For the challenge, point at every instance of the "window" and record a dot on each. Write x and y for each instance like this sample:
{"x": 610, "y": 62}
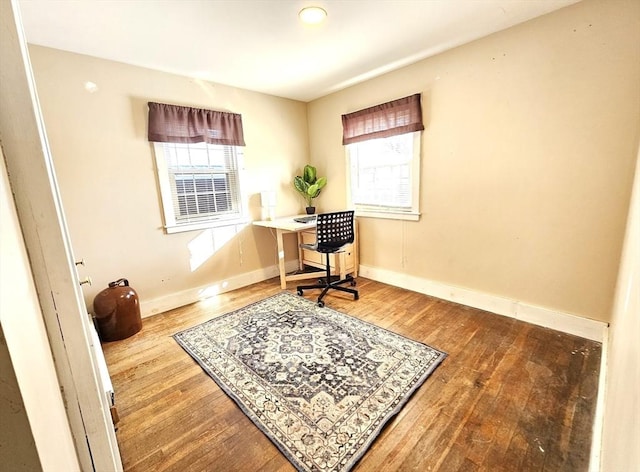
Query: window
{"x": 199, "y": 161}
{"x": 383, "y": 158}
{"x": 384, "y": 176}
{"x": 199, "y": 184}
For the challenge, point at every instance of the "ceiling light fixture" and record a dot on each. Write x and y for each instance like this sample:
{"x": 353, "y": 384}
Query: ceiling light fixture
{"x": 312, "y": 15}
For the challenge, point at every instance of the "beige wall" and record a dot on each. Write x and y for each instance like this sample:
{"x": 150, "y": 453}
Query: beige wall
{"x": 528, "y": 157}
{"x": 105, "y": 169}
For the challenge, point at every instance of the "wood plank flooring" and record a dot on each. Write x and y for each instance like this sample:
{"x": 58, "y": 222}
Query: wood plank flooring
{"x": 510, "y": 396}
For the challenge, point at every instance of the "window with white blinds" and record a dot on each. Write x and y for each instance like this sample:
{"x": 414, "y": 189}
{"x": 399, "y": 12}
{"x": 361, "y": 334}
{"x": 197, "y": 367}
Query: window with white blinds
{"x": 384, "y": 176}
{"x": 200, "y": 184}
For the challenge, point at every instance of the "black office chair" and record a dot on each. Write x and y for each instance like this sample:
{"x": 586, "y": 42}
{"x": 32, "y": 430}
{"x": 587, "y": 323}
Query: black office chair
{"x": 333, "y": 232}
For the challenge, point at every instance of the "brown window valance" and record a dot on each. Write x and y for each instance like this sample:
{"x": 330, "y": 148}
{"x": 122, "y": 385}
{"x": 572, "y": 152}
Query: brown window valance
{"x": 178, "y": 124}
{"x": 400, "y": 116}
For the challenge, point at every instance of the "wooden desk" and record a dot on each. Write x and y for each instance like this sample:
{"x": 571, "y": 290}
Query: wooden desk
{"x": 342, "y": 263}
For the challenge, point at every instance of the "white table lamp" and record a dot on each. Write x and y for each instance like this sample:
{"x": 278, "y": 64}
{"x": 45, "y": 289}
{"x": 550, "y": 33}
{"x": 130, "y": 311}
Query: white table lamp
{"x": 268, "y": 203}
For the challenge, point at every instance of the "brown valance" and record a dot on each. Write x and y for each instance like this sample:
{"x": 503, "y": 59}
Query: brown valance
{"x": 400, "y": 116}
{"x": 177, "y": 124}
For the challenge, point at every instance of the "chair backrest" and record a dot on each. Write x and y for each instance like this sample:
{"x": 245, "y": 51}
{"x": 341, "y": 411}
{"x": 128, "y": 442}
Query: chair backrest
{"x": 334, "y": 230}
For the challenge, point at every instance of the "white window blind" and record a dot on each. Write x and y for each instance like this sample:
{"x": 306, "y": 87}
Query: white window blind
{"x": 381, "y": 172}
{"x": 200, "y": 183}
{"x": 384, "y": 176}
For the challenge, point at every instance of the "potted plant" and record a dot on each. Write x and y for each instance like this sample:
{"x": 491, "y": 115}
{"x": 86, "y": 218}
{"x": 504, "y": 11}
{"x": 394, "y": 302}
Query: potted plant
{"x": 309, "y": 186}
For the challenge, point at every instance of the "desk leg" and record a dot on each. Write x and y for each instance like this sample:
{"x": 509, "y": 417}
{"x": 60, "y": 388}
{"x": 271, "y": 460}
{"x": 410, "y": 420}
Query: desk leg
{"x": 341, "y": 261}
{"x": 283, "y": 272}
{"x": 300, "y": 255}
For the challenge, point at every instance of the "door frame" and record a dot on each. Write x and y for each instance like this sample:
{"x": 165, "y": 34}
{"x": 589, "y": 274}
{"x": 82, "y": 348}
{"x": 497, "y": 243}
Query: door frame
{"x": 41, "y": 216}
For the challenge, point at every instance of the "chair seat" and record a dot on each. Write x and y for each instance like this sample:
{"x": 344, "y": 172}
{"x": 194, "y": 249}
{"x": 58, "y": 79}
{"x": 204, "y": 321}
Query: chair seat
{"x": 324, "y": 250}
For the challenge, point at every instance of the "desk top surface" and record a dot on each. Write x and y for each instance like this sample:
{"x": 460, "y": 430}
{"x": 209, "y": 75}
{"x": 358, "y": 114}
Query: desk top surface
{"x": 286, "y": 223}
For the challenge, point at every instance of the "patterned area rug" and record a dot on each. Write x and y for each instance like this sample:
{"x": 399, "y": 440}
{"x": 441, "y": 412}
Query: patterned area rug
{"x": 320, "y": 384}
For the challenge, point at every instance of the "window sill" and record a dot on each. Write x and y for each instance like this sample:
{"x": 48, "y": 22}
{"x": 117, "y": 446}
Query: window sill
{"x": 388, "y": 215}
{"x": 181, "y": 228}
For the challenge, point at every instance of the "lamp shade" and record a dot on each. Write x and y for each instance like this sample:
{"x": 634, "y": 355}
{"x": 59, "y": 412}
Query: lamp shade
{"x": 268, "y": 198}
{"x": 268, "y": 203}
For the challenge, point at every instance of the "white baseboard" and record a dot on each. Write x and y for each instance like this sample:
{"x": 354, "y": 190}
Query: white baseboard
{"x": 186, "y": 297}
{"x": 595, "y": 457}
{"x": 565, "y": 322}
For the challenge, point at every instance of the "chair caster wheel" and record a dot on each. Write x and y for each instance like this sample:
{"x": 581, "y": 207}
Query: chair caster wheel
{"x": 353, "y": 283}
{"x": 299, "y": 292}
{"x": 356, "y": 297}
{"x": 321, "y": 304}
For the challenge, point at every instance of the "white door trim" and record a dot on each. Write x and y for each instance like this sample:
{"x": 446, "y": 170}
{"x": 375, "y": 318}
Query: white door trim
{"x": 39, "y": 208}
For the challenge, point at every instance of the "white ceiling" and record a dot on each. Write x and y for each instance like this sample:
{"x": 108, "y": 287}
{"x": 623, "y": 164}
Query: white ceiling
{"x": 261, "y": 45}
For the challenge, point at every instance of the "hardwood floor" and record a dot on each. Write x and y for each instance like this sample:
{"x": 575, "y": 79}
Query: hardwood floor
{"x": 510, "y": 396}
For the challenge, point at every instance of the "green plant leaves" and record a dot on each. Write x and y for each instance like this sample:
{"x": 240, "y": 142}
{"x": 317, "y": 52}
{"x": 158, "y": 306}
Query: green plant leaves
{"x": 309, "y": 174}
{"x": 308, "y": 184}
{"x": 321, "y": 182}
{"x": 300, "y": 185}
{"x": 313, "y": 191}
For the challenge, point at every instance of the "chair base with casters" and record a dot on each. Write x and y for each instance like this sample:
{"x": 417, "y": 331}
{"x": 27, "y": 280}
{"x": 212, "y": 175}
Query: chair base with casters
{"x": 333, "y": 232}
{"x": 331, "y": 285}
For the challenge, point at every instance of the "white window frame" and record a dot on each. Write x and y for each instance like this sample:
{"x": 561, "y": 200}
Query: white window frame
{"x": 378, "y": 211}
{"x": 172, "y": 223}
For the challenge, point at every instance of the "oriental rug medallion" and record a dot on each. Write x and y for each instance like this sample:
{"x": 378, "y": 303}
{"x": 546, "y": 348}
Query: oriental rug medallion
{"x": 320, "y": 384}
